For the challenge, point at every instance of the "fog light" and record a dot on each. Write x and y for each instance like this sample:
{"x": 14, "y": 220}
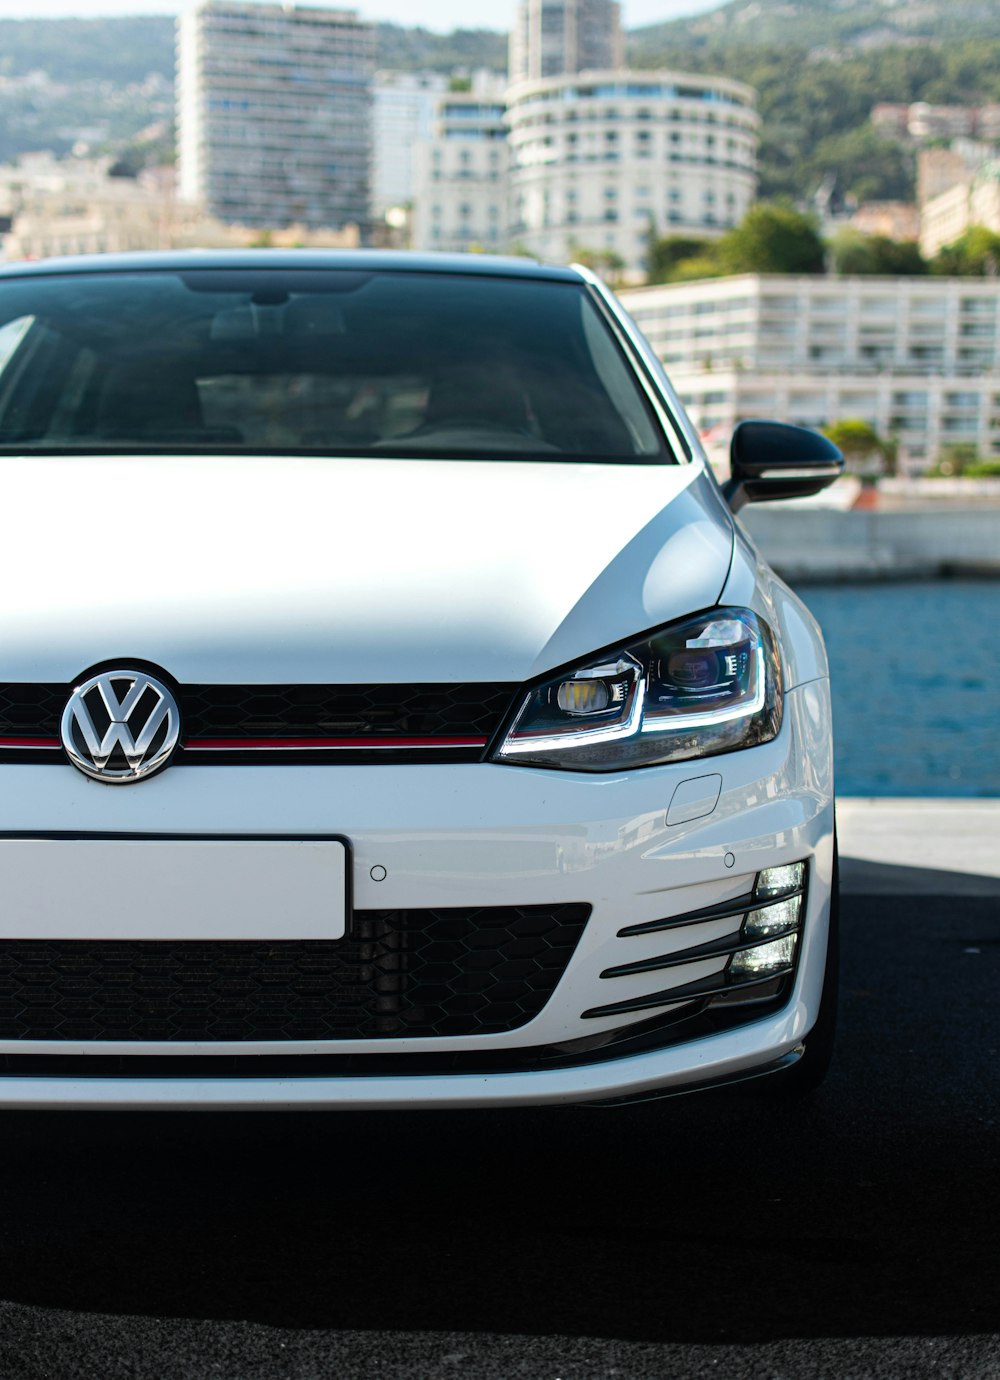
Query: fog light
{"x": 765, "y": 958}
{"x": 782, "y": 915}
{"x": 775, "y": 881}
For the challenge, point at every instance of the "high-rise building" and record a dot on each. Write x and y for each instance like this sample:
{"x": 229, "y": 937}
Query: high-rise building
{"x": 274, "y": 113}
{"x": 604, "y": 162}
{"x": 553, "y": 37}
{"x": 405, "y": 104}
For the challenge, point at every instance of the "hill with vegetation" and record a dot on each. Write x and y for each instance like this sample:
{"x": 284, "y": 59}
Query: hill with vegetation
{"x": 818, "y": 65}
{"x": 819, "y": 24}
{"x": 108, "y": 83}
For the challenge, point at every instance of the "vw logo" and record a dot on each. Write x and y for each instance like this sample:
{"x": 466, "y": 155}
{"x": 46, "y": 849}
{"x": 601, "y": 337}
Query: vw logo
{"x": 120, "y": 726}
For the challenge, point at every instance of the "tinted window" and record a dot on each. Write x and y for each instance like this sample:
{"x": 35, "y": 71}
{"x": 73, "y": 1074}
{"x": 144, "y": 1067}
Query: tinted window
{"x": 310, "y": 360}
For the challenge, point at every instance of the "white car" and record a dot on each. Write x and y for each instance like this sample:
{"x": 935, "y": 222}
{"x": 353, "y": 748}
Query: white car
{"x": 392, "y": 713}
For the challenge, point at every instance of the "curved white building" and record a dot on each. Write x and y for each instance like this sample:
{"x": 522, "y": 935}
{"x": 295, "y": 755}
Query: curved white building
{"x": 600, "y": 161}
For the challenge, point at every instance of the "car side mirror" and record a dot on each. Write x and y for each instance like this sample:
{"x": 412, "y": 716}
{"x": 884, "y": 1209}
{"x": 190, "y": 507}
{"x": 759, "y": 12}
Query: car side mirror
{"x": 769, "y": 460}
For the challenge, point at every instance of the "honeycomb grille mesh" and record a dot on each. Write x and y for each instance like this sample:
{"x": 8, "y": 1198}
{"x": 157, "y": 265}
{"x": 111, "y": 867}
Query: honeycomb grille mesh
{"x": 275, "y": 711}
{"x": 31, "y": 711}
{"x": 401, "y": 973}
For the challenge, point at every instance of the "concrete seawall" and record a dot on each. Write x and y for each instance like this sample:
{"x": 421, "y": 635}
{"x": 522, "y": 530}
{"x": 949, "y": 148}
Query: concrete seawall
{"x": 804, "y": 543}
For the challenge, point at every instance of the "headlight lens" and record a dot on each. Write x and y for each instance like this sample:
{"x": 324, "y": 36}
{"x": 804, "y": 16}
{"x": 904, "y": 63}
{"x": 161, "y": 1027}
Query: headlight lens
{"x": 707, "y": 685}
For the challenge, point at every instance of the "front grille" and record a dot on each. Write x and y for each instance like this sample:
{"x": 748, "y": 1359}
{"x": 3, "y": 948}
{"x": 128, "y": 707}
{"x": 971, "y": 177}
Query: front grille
{"x": 343, "y": 711}
{"x": 400, "y": 973}
{"x": 417, "y": 722}
{"x": 31, "y": 711}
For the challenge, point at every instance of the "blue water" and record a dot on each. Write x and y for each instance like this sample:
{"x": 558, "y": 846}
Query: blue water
{"x": 915, "y": 669}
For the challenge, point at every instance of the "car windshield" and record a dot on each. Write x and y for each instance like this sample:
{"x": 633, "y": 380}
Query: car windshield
{"x": 327, "y": 361}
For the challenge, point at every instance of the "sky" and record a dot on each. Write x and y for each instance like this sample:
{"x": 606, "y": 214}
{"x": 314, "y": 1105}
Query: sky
{"x": 432, "y": 14}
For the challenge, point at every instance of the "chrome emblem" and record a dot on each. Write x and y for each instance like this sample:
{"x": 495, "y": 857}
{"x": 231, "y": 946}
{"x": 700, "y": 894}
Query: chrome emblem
{"x": 120, "y": 726}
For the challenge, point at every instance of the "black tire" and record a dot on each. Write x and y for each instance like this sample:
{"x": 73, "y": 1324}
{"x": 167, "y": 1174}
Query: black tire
{"x": 805, "y": 1076}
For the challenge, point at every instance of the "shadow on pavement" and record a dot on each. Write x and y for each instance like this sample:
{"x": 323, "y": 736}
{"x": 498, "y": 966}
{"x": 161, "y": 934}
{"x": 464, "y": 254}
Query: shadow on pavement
{"x": 870, "y": 1211}
{"x": 862, "y": 877}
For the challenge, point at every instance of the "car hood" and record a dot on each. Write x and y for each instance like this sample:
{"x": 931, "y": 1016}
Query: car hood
{"x": 282, "y": 570}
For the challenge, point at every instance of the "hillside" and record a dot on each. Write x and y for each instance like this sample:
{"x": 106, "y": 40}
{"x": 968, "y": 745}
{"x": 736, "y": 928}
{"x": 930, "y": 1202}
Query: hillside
{"x": 102, "y": 82}
{"x": 820, "y": 24}
{"x": 819, "y": 66}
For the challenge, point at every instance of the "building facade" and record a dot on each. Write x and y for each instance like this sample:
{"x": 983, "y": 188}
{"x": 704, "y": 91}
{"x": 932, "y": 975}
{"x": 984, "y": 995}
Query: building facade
{"x": 54, "y": 207}
{"x": 974, "y": 201}
{"x": 275, "y": 113}
{"x": 893, "y": 220}
{"x": 917, "y": 358}
{"x": 460, "y": 174}
{"x": 553, "y": 37}
{"x": 921, "y": 122}
{"x": 404, "y": 109}
{"x": 606, "y": 161}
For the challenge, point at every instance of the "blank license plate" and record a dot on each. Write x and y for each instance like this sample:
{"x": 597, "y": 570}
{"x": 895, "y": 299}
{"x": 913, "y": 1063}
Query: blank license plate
{"x": 97, "y": 888}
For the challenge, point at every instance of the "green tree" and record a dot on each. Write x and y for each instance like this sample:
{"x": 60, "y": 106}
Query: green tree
{"x": 666, "y": 254}
{"x": 868, "y": 167}
{"x": 772, "y": 238}
{"x": 855, "y": 253}
{"x": 858, "y": 442}
{"x": 957, "y": 458}
{"x": 976, "y": 254}
{"x": 898, "y": 256}
{"x": 700, "y": 266}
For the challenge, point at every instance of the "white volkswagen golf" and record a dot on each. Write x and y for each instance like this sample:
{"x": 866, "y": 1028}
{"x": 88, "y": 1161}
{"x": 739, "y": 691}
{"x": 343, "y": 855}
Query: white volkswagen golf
{"x": 392, "y": 713}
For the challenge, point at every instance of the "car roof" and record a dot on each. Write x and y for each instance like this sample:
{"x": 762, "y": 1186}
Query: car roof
{"x": 391, "y": 261}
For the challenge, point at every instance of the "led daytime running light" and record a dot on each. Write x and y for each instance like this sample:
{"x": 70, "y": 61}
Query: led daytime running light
{"x": 694, "y": 688}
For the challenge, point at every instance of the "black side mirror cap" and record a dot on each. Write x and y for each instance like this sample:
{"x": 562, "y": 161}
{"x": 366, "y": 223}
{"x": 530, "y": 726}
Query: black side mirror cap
{"x": 770, "y": 460}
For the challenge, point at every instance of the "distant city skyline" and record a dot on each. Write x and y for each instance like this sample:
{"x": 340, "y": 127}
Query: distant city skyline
{"x": 441, "y": 15}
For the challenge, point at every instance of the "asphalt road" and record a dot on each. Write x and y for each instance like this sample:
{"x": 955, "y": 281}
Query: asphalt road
{"x": 704, "y": 1236}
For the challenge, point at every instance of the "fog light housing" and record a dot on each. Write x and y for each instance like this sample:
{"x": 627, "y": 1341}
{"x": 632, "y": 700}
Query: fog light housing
{"x": 769, "y": 934}
{"x": 776, "y": 919}
{"x": 764, "y": 960}
{"x": 777, "y": 881}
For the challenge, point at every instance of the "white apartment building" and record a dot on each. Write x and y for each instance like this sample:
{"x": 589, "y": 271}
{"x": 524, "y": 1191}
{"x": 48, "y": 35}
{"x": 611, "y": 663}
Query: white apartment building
{"x": 460, "y": 174}
{"x": 918, "y": 358}
{"x": 921, "y": 121}
{"x": 403, "y": 116}
{"x": 552, "y": 37}
{"x": 274, "y": 113}
{"x": 603, "y": 161}
{"x": 973, "y": 201}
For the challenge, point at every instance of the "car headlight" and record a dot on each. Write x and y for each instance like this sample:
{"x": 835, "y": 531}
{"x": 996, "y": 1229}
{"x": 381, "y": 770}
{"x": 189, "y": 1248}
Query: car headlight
{"x": 706, "y": 685}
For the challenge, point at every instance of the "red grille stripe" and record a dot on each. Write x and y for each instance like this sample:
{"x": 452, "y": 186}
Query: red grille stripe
{"x": 297, "y": 744}
{"x": 273, "y": 744}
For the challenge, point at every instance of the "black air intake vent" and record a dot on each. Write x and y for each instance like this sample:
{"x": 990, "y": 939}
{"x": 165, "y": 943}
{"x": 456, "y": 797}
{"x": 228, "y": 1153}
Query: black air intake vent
{"x": 418, "y": 972}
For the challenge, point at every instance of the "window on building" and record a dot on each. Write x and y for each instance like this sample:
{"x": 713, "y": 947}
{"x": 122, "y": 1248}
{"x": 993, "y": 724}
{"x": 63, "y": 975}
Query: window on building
{"x": 976, "y": 306}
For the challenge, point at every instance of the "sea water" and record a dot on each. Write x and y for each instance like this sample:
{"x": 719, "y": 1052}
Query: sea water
{"x": 915, "y": 670}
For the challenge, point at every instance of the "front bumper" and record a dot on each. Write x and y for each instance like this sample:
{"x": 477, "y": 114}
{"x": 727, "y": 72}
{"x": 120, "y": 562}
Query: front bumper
{"x": 479, "y": 836}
